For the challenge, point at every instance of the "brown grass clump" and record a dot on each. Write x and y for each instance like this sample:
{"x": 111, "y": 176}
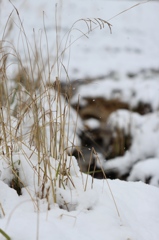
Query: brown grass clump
{"x": 33, "y": 114}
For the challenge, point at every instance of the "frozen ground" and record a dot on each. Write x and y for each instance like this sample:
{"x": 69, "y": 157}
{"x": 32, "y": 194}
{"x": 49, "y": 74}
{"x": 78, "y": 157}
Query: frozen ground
{"x": 132, "y": 47}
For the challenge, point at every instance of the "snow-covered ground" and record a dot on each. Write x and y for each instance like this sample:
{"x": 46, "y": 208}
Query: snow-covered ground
{"x": 92, "y": 213}
{"x": 87, "y": 208}
{"x": 145, "y": 135}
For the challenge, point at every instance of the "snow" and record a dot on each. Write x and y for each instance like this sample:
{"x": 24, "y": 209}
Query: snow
{"x": 93, "y": 214}
{"x": 145, "y": 136}
{"x": 86, "y": 208}
{"x": 146, "y": 170}
{"x": 92, "y": 123}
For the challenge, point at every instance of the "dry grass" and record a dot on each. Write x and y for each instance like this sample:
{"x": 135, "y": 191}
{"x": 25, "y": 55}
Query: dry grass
{"x": 25, "y": 121}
